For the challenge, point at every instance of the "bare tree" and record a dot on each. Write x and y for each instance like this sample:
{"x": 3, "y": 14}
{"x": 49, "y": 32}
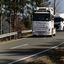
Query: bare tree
{"x": 58, "y": 6}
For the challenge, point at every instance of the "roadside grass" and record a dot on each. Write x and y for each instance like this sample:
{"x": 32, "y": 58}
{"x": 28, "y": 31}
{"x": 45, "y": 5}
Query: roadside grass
{"x": 41, "y": 60}
{"x": 55, "y": 56}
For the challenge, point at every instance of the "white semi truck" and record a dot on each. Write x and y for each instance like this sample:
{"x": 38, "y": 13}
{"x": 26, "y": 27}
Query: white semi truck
{"x": 59, "y": 21}
{"x": 43, "y": 21}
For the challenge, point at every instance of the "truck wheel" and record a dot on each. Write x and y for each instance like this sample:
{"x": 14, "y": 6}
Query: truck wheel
{"x": 54, "y": 35}
{"x": 34, "y": 35}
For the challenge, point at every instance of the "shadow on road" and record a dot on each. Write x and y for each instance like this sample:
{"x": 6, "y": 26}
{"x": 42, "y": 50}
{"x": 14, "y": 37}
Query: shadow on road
{"x": 24, "y": 52}
{"x": 5, "y": 61}
{"x": 30, "y": 50}
{"x": 38, "y": 37}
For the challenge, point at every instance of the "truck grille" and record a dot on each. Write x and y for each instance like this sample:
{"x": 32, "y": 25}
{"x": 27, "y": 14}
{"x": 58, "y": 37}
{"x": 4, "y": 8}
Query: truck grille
{"x": 41, "y": 32}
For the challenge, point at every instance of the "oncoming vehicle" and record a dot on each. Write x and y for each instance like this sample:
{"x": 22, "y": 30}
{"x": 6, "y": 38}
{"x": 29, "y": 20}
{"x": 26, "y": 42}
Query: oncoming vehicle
{"x": 43, "y": 21}
{"x": 59, "y": 21}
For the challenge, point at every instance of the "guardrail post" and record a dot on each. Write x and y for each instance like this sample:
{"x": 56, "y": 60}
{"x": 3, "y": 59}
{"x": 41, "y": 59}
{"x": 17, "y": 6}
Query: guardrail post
{"x": 27, "y": 33}
{"x": 10, "y": 37}
{"x": 6, "y": 38}
{"x": 1, "y": 39}
{"x": 22, "y": 34}
{"x": 15, "y": 36}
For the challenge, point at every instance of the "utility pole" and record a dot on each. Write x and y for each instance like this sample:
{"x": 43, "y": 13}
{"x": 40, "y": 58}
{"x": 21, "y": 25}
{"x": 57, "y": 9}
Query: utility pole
{"x": 54, "y": 7}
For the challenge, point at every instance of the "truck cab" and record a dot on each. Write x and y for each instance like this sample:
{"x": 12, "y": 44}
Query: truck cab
{"x": 43, "y": 21}
{"x": 59, "y": 21}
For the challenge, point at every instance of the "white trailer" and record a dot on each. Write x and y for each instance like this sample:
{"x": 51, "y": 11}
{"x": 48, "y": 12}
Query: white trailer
{"x": 43, "y": 21}
{"x": 59, "y": 21}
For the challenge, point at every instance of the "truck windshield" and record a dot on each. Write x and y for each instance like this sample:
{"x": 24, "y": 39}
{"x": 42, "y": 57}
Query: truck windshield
{"x": 57, "y": 19}
{"x": 41, "y": 17}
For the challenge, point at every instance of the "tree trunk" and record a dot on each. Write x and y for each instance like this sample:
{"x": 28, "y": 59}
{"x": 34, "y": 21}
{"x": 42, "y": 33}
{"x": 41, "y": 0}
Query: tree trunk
{"x": 54, "y": 6}
{"x": 10, "y": 25}
{"x": 14, "y": 22}
{"x": 14, "y": 18}
{"x": 1, "y": 21}
{"x": 10, "y": 19}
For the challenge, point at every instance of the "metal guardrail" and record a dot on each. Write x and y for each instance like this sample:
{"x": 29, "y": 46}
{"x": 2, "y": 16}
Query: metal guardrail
{"x": 14, "y": 33}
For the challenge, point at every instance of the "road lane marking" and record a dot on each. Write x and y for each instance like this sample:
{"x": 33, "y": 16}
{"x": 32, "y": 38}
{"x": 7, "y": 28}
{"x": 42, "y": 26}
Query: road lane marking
{"x": 35, "y": 54}
{"x": 44, "y": 38}
{"x": 19, "y": 46}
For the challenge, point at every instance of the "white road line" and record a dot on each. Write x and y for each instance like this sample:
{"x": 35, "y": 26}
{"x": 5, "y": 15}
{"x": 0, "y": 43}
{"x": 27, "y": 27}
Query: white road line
{"x": 35, "y": 54}
{"x": 19, "y": 46}
{"x": 44, "y": 38}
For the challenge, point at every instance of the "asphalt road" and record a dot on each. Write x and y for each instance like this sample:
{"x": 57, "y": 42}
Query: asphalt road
{"x": 21, "y": 49}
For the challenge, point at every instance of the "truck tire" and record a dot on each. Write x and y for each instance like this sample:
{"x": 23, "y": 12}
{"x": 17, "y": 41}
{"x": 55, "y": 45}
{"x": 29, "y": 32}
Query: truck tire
{"x": 54, "y": 35}
{"x": 34, "y": 35}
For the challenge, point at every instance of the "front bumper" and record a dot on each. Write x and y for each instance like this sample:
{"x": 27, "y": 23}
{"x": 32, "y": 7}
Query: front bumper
{"x": 41, "y": 33}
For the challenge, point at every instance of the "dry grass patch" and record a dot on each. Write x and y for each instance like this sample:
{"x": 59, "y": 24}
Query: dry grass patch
{"x": 51, "y": 57}
{"x": 41, "y": 60}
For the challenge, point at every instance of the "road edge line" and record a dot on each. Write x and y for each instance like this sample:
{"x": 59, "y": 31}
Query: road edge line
{"x": 35, "y": 54}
